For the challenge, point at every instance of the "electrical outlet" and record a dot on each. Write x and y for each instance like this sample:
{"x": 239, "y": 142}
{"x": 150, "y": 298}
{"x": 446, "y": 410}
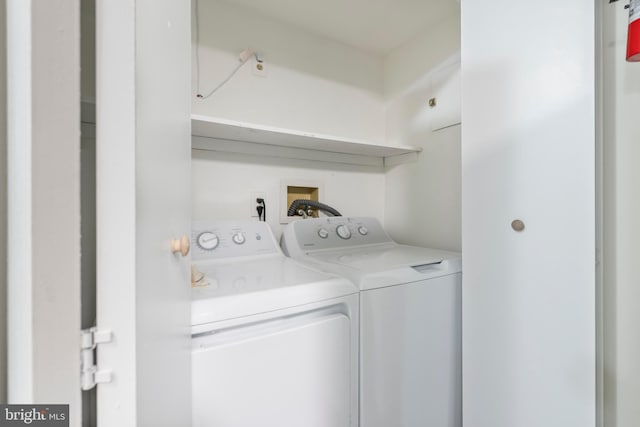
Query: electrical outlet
{"x": 259, "y": 67}
{"x": 253, "y": 204}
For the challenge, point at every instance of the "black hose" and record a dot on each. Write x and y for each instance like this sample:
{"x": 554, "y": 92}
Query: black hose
{"x": 296, "y": 204}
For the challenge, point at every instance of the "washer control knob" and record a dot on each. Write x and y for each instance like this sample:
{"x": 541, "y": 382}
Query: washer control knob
{"x": 207, "y": 241}
{"x": 323, "y": 233}
{"x": 238, "y": 238}
{"x": 343, "y": 232}
{"x": 363, "y": 230}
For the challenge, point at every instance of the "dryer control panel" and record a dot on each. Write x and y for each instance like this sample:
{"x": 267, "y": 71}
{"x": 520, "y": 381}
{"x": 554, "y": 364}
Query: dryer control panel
{"x": 332, "y": 233}
{"x": 226, "y": 239}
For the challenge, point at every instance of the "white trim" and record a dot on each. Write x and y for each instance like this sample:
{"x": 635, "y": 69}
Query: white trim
{"x": 599, "y": 213}
{"x": 44, "y": 202}
{"x": 3, "y": 201}
{"x": 19, "y": 262}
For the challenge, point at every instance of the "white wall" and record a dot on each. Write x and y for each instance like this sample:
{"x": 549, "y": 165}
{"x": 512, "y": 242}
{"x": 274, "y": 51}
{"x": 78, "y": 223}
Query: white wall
{"x": 222, "y": 183}
{"x": 316, "y": 85}
{"x": 422, "y": 198}
{"x": 313, "y": 84}
{"x": 3, "y": 207}
{"x": 621, "y": 226}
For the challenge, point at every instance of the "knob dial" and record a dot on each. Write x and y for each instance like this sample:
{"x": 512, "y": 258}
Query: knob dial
{"x": 363, "y": 230}
{"x": 238, "y": 238}
{"x": 207, "y": 241}
{"x": 343, "y": 232}
{"x": 323, "y": 233}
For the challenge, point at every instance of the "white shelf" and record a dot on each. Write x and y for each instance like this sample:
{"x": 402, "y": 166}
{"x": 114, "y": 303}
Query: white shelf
{"x": 230, "y": 136}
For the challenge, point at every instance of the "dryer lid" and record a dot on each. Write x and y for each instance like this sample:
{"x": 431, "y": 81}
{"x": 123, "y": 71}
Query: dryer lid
{"x": 244, "y": 288}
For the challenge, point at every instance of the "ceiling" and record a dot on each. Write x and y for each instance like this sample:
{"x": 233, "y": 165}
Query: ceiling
{"x": 375, "y": 26}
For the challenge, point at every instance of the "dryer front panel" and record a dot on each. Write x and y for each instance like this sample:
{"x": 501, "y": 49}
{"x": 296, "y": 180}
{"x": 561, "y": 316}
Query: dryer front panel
{"x": 286, "y": 372}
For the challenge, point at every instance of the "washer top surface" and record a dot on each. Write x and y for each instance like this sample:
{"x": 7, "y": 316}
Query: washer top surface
{"x": 246, "y": 275}
{"x": 384, "y": 257}
{"x": 368, "y": 256}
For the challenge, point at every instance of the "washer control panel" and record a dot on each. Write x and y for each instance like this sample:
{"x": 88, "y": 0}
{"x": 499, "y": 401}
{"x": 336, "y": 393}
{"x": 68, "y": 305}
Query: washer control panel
{"x": 225, "y": 239}
{"x": 334, "y": 232}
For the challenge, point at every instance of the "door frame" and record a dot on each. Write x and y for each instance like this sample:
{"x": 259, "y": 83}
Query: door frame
{"x": 43, "y": 121}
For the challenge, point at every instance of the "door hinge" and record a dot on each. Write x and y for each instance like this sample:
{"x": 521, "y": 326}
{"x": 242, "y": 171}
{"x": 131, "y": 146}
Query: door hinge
{"x": 89, "y": 373}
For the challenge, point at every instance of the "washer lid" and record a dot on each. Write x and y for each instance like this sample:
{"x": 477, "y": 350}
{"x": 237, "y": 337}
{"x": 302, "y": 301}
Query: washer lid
{"x": 376, "y": 258}
{"x": 387, "y": 264}
{"x": 244, "y": 288}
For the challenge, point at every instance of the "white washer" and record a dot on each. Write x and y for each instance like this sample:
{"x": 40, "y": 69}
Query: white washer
{"x": 410, "y": 318}
{"x": 274, "y": 343}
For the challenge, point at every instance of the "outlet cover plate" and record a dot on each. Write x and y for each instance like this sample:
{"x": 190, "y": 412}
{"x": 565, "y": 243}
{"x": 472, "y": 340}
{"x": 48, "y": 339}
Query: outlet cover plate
{"x": 253, "y": 195}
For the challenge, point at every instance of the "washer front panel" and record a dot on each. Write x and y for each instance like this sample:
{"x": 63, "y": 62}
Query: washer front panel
{"x": 411, "y": 354}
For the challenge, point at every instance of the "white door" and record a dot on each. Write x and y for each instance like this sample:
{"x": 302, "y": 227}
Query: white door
{"x": 528, "y": 144}
{"x": 143, "y": 202}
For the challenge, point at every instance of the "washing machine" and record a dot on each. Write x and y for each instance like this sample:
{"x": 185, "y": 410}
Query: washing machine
{"x": 410, "y": 318}
{"x": 274, "y": 342}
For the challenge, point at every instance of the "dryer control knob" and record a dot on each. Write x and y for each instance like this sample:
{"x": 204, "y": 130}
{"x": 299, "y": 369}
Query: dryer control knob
{"x": 207, "y": 240}
{"x": 343, "y": 232}
{"x": 363, "y": 230}
{"x": 323, "y": 233}
{"x": 238, "y": 238}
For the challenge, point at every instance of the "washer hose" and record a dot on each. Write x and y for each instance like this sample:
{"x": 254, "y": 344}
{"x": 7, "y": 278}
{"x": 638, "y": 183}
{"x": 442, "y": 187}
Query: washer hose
{"x": 296, "y": 204}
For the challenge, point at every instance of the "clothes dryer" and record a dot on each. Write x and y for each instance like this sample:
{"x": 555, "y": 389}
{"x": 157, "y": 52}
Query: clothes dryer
{"x": 410, "y": 318}
{"x": 274, "y": 342}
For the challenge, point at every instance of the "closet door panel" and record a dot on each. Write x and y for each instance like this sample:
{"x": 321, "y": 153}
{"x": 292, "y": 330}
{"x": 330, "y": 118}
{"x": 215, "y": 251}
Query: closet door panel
{"x": 528, "y": 216}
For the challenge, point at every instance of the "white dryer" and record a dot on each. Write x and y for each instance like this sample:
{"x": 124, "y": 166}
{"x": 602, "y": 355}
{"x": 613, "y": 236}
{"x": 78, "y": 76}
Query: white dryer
{"x": 410, "y": 318}
{"x": 274, "y": 343}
